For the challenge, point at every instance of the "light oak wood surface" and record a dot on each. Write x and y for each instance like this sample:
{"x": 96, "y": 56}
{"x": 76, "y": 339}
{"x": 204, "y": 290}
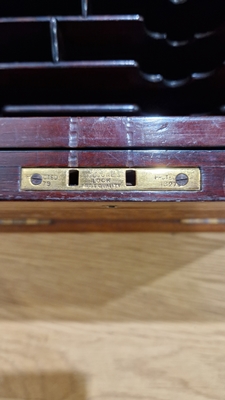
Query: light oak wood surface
{"x": 112, "y": 316}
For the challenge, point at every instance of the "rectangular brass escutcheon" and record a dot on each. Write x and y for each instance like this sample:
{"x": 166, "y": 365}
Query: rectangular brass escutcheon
{"x": 111, "y": 179}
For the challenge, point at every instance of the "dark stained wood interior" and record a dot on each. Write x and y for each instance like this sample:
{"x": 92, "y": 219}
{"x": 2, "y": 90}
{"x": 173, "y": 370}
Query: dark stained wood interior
{"x": 113, "y": 83}
{"x": 160, "y": 57}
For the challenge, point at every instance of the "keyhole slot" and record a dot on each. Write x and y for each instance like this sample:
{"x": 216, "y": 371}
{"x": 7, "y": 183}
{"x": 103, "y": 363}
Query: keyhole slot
{"x": 73, "y": 178}
{"x": 130, "y": 178}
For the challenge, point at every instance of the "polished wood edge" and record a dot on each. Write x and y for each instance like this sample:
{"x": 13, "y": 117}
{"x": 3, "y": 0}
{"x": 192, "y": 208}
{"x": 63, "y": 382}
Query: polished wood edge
{"x": 111, "y": 217}
{"x": 119, "y": 226}
{"x": 112, "y": 132}
{"x": 210, "y": 162}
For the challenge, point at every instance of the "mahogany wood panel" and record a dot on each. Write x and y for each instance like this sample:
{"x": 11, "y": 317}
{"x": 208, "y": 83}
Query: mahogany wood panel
{"x": 129, "y": 142}
{"x": 112, "y": 132}
{"x": 211, "y": 163}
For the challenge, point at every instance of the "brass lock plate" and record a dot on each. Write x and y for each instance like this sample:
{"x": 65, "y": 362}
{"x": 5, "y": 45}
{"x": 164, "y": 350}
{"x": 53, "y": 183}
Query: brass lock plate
{"x": 111, "y": 179}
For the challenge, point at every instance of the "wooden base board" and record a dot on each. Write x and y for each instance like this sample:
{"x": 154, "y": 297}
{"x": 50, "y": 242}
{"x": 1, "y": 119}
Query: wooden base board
{"x": 109, "y": 217}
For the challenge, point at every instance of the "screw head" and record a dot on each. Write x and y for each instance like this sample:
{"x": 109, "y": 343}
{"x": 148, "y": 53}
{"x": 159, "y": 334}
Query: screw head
{"x": 178, "y": 1}
{"x": 36, "y": 179}
{"x": 182, "y": 179}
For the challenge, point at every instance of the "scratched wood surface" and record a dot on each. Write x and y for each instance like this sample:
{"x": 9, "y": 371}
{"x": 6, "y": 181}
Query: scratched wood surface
{"x": 112, "y": 132}
{"x": 112, "y": 316}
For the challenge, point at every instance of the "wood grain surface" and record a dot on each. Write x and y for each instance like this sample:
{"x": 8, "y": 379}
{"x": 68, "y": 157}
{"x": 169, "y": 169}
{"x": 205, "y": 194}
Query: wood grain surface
{"x": 112, "y": 132}
{"x": 210, "y": 162}
{"x": 112, "y": 316}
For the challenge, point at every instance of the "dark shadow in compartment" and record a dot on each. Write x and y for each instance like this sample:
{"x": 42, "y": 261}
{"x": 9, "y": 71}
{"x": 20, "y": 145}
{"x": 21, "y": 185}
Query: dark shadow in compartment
{"x": 100, "y": 39}
{"x": 178, "y": 21}
{"x": 24, "y": 8}
{"x": 115, "y": 7}
{"x": 191, "y": 17}
{"x": 118, "y": 83}
{"x": 25, "y": 42}
{"x": 149, "y": 9}
{"x": 118, "y": 38}
{"x": 72, "y": 83}
{"x": 199, "y": 57}
{"x": 155, "y": 12}
{"x": 114, "y": 89}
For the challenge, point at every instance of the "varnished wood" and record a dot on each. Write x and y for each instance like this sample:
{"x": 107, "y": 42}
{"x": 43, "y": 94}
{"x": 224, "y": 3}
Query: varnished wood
{"x": 111, "y": 217}
{"x": 141, "y": 210}
{"x": 210, "y": 162}
{"x": 86, "y": 317}
{"x": 118, "y": 52}
{"x": 112, "y": 132}
{"x": 72, "y": 62}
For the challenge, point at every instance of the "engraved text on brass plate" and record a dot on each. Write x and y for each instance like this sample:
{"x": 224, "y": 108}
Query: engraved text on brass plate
{"x": 111, "y": 179}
